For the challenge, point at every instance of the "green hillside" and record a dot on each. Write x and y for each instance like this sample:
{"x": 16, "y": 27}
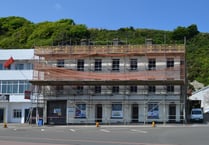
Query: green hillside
{"x": 18, "y": 32}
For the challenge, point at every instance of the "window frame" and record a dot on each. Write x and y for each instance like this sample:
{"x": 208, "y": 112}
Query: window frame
{"x": 151, "y": 89}
{"x": 80, "y": 65}
{"x": 19, "y": 66}
{"x": 115, "y": 89}
{"x": 115, "y": 64}
{"x": 170, "y": 88}
{"x": 98, "y": 65}
{"x": 98, "y": 89}
{"x": 152, "y": 64}
{"x": 80, "y": 90}
{"x": 170, "y": 63}
{"x": 17, "y": 113}
{"x": 133, "y": 64}
{"x": 133, "y": 89}
{"x": 60, "y": 63}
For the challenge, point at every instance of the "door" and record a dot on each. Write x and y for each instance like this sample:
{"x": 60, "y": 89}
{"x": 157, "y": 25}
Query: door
{"x": 172, "y": 113}
{"x": 1, "y": 115}
{"x": 27, "y": 115}
{"x": 98, "y": 113}
{"x": 56, "y": 112}
{"x": 135, "y": 113}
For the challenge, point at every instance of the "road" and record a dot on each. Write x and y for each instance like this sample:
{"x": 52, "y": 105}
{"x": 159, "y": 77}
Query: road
{"x": 106, "y": 135}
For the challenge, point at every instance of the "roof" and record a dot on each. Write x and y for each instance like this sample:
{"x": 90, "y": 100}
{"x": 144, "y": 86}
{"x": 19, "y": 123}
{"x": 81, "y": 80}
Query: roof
{"x": 17, "y": 54}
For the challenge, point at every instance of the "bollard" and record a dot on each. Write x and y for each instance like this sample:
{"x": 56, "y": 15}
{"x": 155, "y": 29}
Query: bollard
{"x": 97, "y": 124}
{"x": 153, "y": 124}
{"x": 5, "y": 125}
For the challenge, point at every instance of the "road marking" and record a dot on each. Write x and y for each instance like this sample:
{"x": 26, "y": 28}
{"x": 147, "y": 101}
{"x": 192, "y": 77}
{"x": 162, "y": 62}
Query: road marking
{"x": 139, "y": 131}
{"x": 73, "y": 130}
{"x": 104, "y": 130}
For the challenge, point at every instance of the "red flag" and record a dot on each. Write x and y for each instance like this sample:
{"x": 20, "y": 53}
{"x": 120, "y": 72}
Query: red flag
{"x": 8, "y": 62}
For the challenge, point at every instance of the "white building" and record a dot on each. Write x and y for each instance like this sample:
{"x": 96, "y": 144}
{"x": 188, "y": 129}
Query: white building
{"x": 14, "y": 80}
{"x": 203, "y": 96}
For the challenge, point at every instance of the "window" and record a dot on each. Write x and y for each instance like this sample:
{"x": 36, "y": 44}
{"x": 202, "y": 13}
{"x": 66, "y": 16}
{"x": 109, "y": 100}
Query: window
{"x": 19, "y": 66}
{"x": 23, "y": 85}
{"x": 29, "y": 66}
{"x": 115, "y": 89}
{"x": 98, "y": 89}
{"x": 170, "y": 89}
{"x": 117, "y": 111}
{"x": 133, "y": 64}
{"x": 1, "y": 66}
{"x": 133, "y": 89}
{"x": 153, "y": 111}
{"x": 14, "y": 87}
{"x": 98, "y": 65}
{"x": 170, "y": 62}
{"x": 152, "y": 64}
{"x": 80, "y": 65}
{"x": 79, "y": 90}
{"x": 59, "y": 90}
{"x": 182, "y": 62}
{"x": 60, "y": 63}
{"x": 17, "y": 113}
{"x": 151, "y": 89}
{"x": 80, "y": 111}
{"x": 115, "y": 65}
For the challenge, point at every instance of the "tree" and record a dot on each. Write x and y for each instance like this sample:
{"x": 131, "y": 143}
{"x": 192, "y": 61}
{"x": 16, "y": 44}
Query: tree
{"x": 179, "y": 33}
{"x": 192, "y": 31}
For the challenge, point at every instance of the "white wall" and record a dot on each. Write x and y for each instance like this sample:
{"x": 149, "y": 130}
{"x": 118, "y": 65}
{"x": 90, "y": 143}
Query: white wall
{"x": 16, "y": 74}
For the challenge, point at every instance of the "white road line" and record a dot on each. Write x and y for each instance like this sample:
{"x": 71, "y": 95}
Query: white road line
{"x": 139, "y": 131}
{"x": 73, "y": 130}
{"x": 104, "y": 130}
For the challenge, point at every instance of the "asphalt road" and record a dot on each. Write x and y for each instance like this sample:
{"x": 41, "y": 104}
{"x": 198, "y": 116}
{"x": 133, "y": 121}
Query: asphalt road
{"x": 195, "y": 134}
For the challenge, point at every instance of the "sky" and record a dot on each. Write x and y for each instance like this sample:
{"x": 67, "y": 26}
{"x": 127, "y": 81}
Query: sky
{"x": 114, "y": 14}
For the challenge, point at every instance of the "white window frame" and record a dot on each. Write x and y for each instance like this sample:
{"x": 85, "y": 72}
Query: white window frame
{"x": 17, "y": 113}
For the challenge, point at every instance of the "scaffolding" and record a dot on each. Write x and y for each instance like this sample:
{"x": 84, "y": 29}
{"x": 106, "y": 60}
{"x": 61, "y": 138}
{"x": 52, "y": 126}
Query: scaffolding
{"x": 60, "y": 81}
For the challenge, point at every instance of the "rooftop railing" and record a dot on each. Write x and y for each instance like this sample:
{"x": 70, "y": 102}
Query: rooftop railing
{"x": 108, "y": 49}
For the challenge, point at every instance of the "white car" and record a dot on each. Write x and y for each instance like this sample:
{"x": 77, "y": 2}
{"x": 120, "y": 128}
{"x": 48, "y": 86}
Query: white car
{"x": 196, "y": 115}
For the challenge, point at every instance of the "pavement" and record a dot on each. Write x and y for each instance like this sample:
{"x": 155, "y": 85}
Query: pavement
{"x": 26, "y": 125}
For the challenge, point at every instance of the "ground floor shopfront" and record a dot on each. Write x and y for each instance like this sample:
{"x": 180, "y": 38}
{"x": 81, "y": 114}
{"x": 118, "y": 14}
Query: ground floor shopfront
{"x": 112, "y": 112}
{"x": 14, "y": 112}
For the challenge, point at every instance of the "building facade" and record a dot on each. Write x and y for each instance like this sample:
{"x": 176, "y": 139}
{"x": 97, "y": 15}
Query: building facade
{"x": 16, "y": 69}
{"x": 110, "y": 84}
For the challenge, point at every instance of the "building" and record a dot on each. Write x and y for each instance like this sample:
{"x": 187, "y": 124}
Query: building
{"x": 200, "y": 99}
{"x": 110, "y": 83}
{"x": 16, "y": 69}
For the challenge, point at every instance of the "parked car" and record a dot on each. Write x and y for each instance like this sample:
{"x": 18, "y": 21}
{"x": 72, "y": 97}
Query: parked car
{"x": 196, "y": 115}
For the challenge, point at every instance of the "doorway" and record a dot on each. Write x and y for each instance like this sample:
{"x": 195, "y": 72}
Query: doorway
{"x": 98, "y": 112}
{"x": 135, "y": 113}
{"x": 27, "y": 115}
{"x": 1, "y": 115}
{"x": 172, "y": 113}
{"x": 56, "y": 112}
